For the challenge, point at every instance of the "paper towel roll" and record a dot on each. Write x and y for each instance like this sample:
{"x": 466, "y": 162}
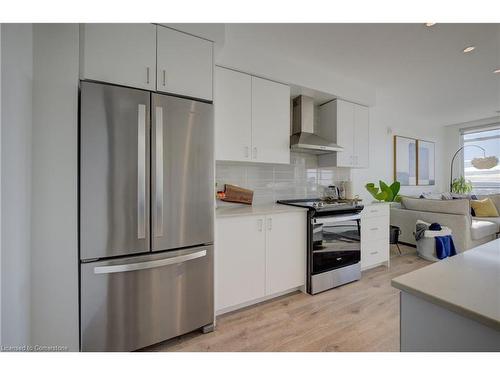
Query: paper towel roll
{"x": 348, "y": 189}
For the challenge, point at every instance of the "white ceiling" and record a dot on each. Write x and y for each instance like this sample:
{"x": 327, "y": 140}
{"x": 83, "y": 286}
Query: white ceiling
{"x": 420, "y": 70}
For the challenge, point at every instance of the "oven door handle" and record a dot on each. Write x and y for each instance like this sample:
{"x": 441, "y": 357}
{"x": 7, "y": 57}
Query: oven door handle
{"x": 335, "y": 219}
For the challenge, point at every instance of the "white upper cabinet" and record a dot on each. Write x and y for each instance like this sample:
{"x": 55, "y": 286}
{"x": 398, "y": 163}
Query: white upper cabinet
{"x": 252, "y": 118}
{"x": 124, "y": 54}
{"x": 233, "y": 115}
{"x": 184, "y": 64}
{"x": 361, "y": 136}
{"x": 346, "y": 124}
{"x": 345, "y": 133}
{"x": 270, "y": 121}
{"x": 148, "y": 57}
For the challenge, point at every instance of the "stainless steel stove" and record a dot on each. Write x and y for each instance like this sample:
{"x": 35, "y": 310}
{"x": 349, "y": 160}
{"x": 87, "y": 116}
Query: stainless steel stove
{"x": 333, "y": 246}
{"x": 324, "y": 206}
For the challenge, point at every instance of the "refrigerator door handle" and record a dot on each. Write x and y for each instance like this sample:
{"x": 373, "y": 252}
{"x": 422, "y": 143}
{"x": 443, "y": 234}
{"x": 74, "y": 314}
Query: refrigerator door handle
{"x": 149, "y": 264}
{"x": 141, "y": 171}
{"x": 158, "y": 204}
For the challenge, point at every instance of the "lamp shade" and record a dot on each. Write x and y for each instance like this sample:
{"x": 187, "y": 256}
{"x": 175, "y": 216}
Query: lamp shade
{"x": 485, "y": 163}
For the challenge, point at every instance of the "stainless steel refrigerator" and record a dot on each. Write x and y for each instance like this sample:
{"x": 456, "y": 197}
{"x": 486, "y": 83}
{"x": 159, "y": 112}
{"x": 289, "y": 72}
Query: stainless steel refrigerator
{"x": 146, "y": 217}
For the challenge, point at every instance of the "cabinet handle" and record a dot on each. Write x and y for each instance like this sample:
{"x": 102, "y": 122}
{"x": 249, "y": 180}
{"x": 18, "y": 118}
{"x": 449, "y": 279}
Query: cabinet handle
{"x": 373, "y": 211}
{"x": 374, "y": 229}
{"x": 374, "y": 252}
{"x": 269, "y": 224}
{"x": 164, "y": 77}
{"x": 255, "y": 152}
{"x": 147, "y": 75}
{"x": 260, "y": 224}
{"x": 247, "y": 152}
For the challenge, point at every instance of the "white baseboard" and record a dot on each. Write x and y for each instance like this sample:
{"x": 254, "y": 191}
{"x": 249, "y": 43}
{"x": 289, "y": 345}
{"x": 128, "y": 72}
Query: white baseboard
{"x": 258, "y": 300}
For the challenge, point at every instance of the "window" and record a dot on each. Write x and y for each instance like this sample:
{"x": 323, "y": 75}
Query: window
{"x": 487, "y": 180}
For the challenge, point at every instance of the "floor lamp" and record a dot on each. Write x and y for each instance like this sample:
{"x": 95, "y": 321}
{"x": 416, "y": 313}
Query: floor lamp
{"x": 486, "y": 162}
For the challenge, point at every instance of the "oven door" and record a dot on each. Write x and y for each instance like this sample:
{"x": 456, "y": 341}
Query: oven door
{"x": 336, "y": 242}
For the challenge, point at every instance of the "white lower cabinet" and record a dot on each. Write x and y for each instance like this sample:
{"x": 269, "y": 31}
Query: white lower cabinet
{"x": 258, "y": 257}
{"x": 240, "y": 260}
{"x": 375, "y": 235}
{"x": 285, "y": 252}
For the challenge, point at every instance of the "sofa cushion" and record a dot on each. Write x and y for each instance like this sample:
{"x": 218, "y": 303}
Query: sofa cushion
{"x": 481, "y": 229}
{"x": 484, "y": 208}
{"x": 495, "y": 220}
{"x": 456, "y": 206}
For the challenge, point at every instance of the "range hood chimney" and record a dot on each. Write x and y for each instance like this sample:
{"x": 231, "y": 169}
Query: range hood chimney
{"x": 303, "y": 138}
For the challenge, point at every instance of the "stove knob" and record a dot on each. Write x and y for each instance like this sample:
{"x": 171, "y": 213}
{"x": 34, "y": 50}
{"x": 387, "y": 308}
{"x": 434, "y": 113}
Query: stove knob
{"x": 315, "y": 204}
{"x": 320, "y": 204}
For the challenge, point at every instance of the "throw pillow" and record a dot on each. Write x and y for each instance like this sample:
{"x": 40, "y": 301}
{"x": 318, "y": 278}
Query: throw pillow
{"x": 436, "y": 196}
{"x": 484, "y": 208}
{"x": 446, "y": 196}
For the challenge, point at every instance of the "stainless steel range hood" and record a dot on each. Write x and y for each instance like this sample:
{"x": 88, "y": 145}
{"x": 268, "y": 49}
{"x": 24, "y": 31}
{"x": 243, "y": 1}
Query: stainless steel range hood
{"x": 303, "y": 138}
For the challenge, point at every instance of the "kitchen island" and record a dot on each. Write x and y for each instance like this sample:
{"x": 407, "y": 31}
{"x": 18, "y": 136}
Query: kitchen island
{"x": 453, "y": 305}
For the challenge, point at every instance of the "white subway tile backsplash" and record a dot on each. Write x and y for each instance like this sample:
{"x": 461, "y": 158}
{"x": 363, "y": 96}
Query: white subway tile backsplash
{"x": 302, "y": 178}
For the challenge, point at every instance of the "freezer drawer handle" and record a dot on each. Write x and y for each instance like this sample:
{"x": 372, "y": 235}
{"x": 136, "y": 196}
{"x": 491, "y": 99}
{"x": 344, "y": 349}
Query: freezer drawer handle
{"x": 149, "y": 264}
{"x": 141, "y": 172}
{"x": 336, "y": 219}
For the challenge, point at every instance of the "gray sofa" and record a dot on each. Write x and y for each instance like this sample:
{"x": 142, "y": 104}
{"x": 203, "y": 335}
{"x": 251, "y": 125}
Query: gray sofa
{"x": 468, "y": 231}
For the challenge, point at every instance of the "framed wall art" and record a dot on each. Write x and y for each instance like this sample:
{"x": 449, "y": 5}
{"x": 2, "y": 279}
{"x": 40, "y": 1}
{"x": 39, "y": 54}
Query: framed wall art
{"x": 426, "y": 163}
{"x": 414, "y": 161}
{"x": 405, "y": 160}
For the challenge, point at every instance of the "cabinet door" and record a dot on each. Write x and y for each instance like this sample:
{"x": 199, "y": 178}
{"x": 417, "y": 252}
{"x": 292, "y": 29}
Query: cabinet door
{"x": 240, "y": 260}
{"x": 232, "y": 115}
{"x": 361, "y": 136}
{"x": 374, "y": 235}
{"x": 286, "y": 251}
{"x": 345, "y": 133}
{"x": 124, "y": 54}
{"x": 184, "y": 64}
{"x": 374, "y": 252}
{"x": 270, "y": 121}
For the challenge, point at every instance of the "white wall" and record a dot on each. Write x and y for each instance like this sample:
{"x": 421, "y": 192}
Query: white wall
{"x": 216, "y": 32}
{"x": 384, "y": 116}
{"x": 54, "y": 271}
{"x": 17, "y": 67}
{"x": 241, "y": 53}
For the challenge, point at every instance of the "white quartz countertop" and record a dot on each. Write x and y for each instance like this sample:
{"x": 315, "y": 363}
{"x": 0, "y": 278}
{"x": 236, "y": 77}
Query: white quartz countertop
{"x": 468, "y": 283}
{"x": 242, "y": 210}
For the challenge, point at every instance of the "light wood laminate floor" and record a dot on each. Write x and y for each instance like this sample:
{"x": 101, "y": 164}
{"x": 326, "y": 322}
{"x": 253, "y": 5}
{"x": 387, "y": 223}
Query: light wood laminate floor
{"x": 361, "y": 316}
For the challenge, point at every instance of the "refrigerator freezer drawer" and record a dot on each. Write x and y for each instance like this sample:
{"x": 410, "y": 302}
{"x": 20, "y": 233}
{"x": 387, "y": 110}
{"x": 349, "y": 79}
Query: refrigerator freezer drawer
{"x": 134, "y": 302}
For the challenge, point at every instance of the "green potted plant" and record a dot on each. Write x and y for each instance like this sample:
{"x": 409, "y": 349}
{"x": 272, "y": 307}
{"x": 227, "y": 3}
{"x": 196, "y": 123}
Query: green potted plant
{"x": 461, "y": 186}
{"x": 384, "y": 192}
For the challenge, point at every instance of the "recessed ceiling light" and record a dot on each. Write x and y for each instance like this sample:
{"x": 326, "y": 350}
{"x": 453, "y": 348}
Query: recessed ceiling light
{"x": 469, "y": 49}
{"x": 496, "y": 71}
{"x": 430, "y": 24}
